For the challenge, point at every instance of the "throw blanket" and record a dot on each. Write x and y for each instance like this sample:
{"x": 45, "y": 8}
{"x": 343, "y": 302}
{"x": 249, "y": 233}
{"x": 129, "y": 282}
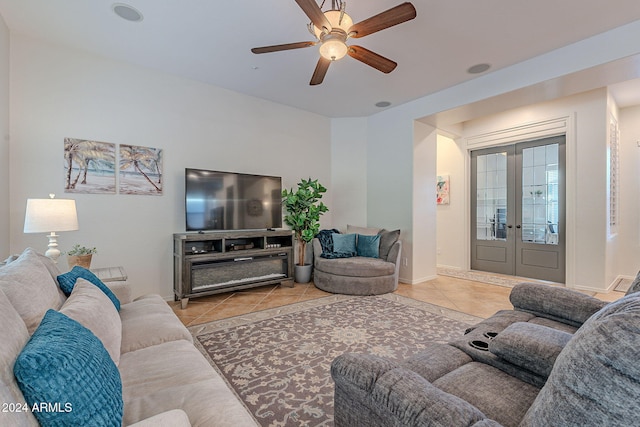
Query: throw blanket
{"x": 326, "y": 241}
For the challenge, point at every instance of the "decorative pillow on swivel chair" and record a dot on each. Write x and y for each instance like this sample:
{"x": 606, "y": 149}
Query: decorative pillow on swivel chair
{"x": 66, "y": 374}
{"x": 368, "y": 246}
{"x": 68, "y": 280}
{"x": 344, "y": 246}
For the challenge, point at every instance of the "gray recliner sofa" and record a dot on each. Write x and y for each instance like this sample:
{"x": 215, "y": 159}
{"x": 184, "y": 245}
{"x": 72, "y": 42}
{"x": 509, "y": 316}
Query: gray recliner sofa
{"x": 357, "y": 275}
{"x": 560, "y": 358}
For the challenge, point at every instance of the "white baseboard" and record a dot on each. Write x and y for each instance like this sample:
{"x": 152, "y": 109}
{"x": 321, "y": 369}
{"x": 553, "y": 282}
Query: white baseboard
{"x": 416, "y": 281}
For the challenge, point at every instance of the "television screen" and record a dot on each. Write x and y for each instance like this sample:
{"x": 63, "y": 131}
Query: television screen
{"x": 231, "y": 201}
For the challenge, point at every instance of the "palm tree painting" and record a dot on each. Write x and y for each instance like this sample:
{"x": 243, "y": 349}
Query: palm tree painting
{"x": 140, "y": 170}
{"x": 89, "y": 166}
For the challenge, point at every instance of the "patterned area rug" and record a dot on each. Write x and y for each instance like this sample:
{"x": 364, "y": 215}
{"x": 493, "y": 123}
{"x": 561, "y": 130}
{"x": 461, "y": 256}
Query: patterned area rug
{"x": 278, "y": 361}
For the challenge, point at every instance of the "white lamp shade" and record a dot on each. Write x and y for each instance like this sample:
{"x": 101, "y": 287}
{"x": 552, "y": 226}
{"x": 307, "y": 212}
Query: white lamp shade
{"x": 49, "y": 215}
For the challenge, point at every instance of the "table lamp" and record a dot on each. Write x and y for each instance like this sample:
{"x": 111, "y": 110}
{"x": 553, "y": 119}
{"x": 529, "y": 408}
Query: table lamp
{"x": 48, "y": 216}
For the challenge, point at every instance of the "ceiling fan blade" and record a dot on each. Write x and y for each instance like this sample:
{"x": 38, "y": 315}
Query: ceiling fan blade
{"x": 313, "y": 11}
{"x": 394, "y": 16}
{"x": 372, "y": 59}
{"x": 279, "y": 47}
{"x": 320, "y": 71}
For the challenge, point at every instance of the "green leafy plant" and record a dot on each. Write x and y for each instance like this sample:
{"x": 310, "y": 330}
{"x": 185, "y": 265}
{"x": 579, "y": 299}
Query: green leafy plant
{"x": 303, "y": 209}
{"x": 78, "y": 250}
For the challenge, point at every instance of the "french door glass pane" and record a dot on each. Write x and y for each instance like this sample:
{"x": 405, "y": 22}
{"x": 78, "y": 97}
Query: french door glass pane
{"x": 540, "y": 194}
{"x": 491, "y": 211}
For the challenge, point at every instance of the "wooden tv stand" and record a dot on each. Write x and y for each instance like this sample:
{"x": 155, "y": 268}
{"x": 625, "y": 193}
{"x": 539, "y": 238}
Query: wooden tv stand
{"x": 207, "y": 263}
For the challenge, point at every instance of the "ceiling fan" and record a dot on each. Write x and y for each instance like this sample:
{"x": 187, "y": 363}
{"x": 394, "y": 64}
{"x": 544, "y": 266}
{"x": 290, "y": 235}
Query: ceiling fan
{"x": 334, "y": 27}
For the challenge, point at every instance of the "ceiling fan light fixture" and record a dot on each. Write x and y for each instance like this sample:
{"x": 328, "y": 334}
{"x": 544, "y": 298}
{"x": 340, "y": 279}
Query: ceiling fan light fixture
{"x": 333, "y": 16}
{"x": 333, "y": 48}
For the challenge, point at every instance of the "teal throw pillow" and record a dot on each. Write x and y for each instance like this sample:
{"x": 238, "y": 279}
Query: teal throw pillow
{"x": 68, "y": 280}
{"x": 368, "y": 246}
{"x": 67, "y": 376}
{"x": 344, "y": 243}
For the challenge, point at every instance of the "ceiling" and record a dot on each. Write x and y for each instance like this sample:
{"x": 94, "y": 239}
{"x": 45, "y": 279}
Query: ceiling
{"x": 210, "y": 41}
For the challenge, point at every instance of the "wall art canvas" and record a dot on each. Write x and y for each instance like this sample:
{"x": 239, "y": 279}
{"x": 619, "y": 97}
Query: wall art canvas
{"x": 442, "y": 190}
{"x": 140, "y": 170}
{"x": 89, "y": 166}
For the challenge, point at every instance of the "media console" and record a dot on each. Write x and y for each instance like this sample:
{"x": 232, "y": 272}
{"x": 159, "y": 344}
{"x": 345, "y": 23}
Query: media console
{"x": 206, "y": 263}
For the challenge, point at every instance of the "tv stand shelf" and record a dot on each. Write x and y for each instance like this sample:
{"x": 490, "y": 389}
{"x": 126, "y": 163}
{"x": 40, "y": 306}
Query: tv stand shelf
{"x": 207, "y": 263}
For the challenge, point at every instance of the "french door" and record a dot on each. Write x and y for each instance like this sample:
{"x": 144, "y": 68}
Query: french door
{"x": 518, "y": 209}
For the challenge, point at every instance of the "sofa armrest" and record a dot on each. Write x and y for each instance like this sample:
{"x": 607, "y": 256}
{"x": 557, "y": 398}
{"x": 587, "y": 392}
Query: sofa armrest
{"x": 122, "y": 291}
{"x": 391, "y": 395}
{"x": 317, "y": 249}
{"x": 395, "y": 252}
{"x": 560, "y": 304}
{"x": 530, "y": 346}
{"x": 173, "y": 418}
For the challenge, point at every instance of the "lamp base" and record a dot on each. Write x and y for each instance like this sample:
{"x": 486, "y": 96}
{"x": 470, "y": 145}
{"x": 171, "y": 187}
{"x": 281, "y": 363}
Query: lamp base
{"x": 53, "y": 252}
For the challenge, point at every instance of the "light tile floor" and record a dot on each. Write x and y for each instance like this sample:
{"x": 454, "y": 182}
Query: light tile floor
{"x": 471, "y": 297}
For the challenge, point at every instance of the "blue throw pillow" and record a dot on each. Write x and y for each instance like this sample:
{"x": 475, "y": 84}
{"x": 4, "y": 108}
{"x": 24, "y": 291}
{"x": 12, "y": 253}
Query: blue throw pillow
{"x": 68, "y": 280}
{"x": 368, "y": 246}
{"x": 344, "y": 242}
{"x": 67, "y": 376}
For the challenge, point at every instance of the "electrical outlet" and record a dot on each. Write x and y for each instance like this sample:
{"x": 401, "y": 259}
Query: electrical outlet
{"x": 405, "y": 261}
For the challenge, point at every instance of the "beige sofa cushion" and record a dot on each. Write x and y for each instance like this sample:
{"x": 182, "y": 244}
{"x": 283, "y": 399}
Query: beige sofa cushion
{"x": 149, "y": 321}
{"x": 90, "y": 307}
{"x": 176, "y": 375}
{"x": 30, "y": 288}
{"x": 173, "y": 418}
{"x": 13, "y": 336}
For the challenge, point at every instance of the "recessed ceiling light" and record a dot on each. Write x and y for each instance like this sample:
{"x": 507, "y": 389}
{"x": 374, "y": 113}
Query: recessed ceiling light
{"x": 127, "y": 12}
{"x": 383, "y": 104}
{"x": 478, "y": 68}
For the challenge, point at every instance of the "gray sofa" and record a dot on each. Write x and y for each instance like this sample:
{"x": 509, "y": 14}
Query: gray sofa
{"x": 165, "y": 380}
{"x": 560, "y": 358}
{"x": 360, "y": 275}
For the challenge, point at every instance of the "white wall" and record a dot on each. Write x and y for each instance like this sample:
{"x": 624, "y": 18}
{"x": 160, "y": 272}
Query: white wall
{"x": 586, "y": 201}
{"x": 424, "y": 207}
{"x": 5, "y": 183}
{"x": 391, "y": 139}
{"x": 628, "y": 262}
{"x": 390, "y": 180}
{"x": 349, "y": 172}
{"x": 59, "y": 92}
{"x": 451, "y": 219}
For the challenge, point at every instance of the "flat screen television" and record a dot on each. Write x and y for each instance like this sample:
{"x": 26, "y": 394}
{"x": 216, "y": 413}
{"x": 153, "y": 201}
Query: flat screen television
{"x": 217, "y": 200}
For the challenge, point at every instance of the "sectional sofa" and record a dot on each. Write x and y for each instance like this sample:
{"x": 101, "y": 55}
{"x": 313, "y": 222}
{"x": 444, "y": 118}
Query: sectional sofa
{"x": 559, "y": 358}
{"x": 97, "y": 357}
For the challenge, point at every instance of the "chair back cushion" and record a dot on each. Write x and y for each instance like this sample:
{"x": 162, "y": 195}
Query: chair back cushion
{"x": 596, "y": 378}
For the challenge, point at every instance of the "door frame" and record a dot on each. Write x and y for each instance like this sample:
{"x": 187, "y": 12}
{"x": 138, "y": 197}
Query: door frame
{"x": 556, "y": 126}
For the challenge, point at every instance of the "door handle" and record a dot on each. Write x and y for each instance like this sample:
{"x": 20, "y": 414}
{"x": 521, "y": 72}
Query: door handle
{"x": 509, "y": 226}
{"x": 518, "y": 226}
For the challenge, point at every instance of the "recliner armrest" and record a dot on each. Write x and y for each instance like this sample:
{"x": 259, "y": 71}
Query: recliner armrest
{"x": 530, "y": 346}
{"x": 561, "y": 304}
